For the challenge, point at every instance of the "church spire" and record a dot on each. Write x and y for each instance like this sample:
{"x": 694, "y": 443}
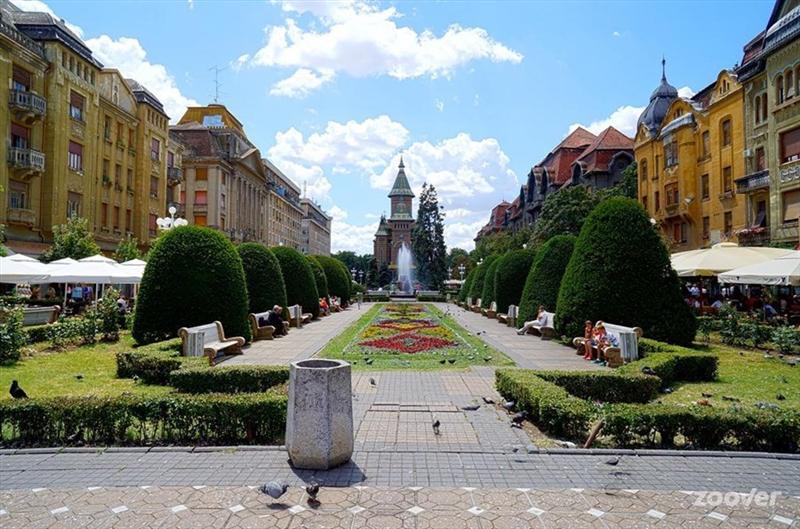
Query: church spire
{"x": 401, "y": 187}
{"x": 401, "y": 166}
{"x": 663, "y": 69}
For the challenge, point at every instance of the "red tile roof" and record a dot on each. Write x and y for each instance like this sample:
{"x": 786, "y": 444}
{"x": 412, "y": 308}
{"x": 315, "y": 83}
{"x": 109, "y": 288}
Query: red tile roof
{"x": 599, "y": 154}
{"x": 559, "y": 161}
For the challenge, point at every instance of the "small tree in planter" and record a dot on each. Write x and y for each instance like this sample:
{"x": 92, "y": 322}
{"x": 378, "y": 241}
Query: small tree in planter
{"x": 73, "y": 239}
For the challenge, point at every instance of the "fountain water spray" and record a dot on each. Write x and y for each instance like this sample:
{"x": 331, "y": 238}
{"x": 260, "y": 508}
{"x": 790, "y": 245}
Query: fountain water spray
{"x": 405, "y": 271}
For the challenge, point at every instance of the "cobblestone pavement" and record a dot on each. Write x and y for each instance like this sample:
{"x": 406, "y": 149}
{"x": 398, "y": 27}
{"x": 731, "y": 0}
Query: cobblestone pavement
{"x": 530, "y": 352}
{"x": 383, "y": 508}
{"x": 299, "y": 344}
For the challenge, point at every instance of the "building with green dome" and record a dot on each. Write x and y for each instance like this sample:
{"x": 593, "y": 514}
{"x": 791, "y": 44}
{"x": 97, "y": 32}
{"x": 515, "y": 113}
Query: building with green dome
{"x": 396, "y": 230}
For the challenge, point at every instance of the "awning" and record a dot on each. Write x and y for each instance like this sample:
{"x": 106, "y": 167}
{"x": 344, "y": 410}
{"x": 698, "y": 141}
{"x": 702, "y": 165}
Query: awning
{"x": 20, "y": 268}
{"x": 783, "y": 271}
{"x": 721, "y": 258}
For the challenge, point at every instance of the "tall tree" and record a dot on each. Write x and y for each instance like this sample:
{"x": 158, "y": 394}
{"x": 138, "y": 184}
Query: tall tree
{"x": 72, "y": 239}
{"x": 427, "y": 239}
{"x": 457, "y": 257}
{"x": 127, "y": 249}
{"x": 564, "y": 212}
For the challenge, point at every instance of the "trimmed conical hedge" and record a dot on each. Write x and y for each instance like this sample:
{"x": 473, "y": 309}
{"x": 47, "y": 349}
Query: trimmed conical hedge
{"x": 301, "y": 287}
{"x": 620, "y": 273}
{"x": 509, "y": 279}
{"x": 265, "y": 286}
{"x": 463, "y": 293}
{"x": 480, "y": 275}
{"x": 319, "y": 277}
{"x": 338, "y": 282}
{"x": 193, "y": 276}
{"x": 487, "y": 295}
{"x": 544, "y": 278}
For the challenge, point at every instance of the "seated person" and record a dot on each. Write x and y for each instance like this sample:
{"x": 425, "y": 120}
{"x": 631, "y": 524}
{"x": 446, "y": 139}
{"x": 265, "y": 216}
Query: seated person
{"x": 600, "y": 341}
{"x": 323, "y": 306}
{"x": 276, "y": 320}
{"x": 540, "y": 321}
{"x": 588, "y": 331}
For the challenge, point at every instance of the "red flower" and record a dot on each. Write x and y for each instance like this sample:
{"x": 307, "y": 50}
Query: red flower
{"x": 406, "y": 324}
{"x": 408, "y": 342}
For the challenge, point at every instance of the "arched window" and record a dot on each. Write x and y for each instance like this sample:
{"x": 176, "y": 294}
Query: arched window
{"x": 789, "y": 84}
{"x": 725, "y": 132}
{"x": 764, "y": 116}
{"x": 779, "y": 93}
{"x": 643, "y": 169}
{"x": 758, "y": 109}
{"x": 797, "y": 81}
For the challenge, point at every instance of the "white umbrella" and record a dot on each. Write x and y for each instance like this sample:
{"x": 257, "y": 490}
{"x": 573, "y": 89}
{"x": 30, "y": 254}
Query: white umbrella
{"x": 20, "y": 268}
{"x": 88, "y": 270}
{"x": 721, "y": 258}
{"x": 131, "y": 272}
{"x": 785, "y": 270}
{"x": 63, "y": 261}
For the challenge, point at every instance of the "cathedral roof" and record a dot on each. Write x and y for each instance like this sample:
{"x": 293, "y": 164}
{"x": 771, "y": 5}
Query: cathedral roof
{"x": 383, "y": 228}
{"x": 401, "y": 187}
{"x": 660, "y": 100}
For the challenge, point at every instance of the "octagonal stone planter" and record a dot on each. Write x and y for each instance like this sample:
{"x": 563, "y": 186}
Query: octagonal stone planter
{"x": 319, "y": 420}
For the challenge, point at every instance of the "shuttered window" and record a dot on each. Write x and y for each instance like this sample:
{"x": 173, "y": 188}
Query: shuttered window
{"x": 201, "y": 197}
{"x": 791, "y": 205}
{"x": 790, "y": 146}
{"x": 21, "y": 79}
{"x": 75, "y": 156}
{"x": 20, "y": 136}
{"x": 76, "y": 105}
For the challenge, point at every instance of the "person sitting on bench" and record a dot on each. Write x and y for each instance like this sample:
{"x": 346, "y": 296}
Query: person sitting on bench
{"x": 540, "y": 321}
{"x": 276, "y": 321}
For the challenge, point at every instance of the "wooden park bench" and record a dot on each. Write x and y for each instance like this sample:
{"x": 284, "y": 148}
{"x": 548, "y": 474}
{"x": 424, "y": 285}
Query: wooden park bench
{"x": 476, "y": 307}
{"x": 298, "y": 318}
{"x": 491, "y": 312}
{"x": 263, "y": 332}
{"x": 209, "y": 340}
{"x": 546, "y": 331}
{"x": 625, "y": 340}
{"x": 40, "y": 315}
{"x": 510, "y": 317}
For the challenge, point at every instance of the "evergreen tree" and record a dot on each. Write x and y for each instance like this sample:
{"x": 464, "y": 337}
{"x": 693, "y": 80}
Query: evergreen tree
{"x": 427, "y": 239}
{"x": 127, "y": 249}
{"x": 72, "y": 239}
{"x": 564, "y": 212}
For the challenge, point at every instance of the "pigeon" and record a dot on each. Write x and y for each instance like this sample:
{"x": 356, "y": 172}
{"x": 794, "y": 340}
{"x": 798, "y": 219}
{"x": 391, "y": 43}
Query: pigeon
{"x": 312, "y": 489}
{"x": 741, "y": 353}
{"x": 487, "y": 358}
{"x": 614, "y": 461}
{"x": 781, "y": 355}
{"x": 767, "y": 356}
{"x": 368, "y": 361}
{"x": 274, "y": 489}
{"x": 647, "y": 370}
{"x": 451, "y": 360}
{"x": 135, "y": 378}
{"x": 730, "y": 399}
{"x": 487, "y": 400}
{"x": 509, "y": 405}
{"x": 471, "y": 407}
{"x": 372, "y": 382}
{"x": 780, "y": 396}
{"x": 16, "y": 391}
{"x": 442, "y": 361}
{"x": 766, "y": 406}
{"x": 515, "y": 449}
{"x": 668, "y": 390}
{"x": 707, "y": 395}
{"x": 79, "y": 376}
{"x": 436, "y": 425}
{"x": 566, "y": 444}
{"x": 517, "y": 418}
{"x": 515, "y": 425}
{"x": 76, "y": 438}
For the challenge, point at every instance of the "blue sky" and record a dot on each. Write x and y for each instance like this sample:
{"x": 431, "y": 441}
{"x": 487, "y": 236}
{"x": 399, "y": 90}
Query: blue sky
{"x": 474, "y": 93}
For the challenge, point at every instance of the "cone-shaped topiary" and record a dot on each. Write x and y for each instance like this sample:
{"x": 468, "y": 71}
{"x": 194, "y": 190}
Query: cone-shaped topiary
{"x": 340, "y": 264}
{"x": 477, "y": 285}
{"x": 301, "y": 287}
{"x": 319, "y": 277}
{"x": 463, "y": 293}
{"x": 338, "y": 282}
{"x": 509, "y": 279}
{"x": 620, "y": 273}
{"x": 544, "y": 278}
{"x": 265, "y": 286}
{"x": 193, "y": 276}
{"x": 487, "y": 296}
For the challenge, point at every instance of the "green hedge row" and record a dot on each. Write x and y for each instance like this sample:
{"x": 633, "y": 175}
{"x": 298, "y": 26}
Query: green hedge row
{"x": 605, "y": 386}
{"x": 233, "y": 379}
{"x": 672, "y": 363}
{"x": 432, "y": 298}
{"x": 153, "y": 366}
{"x": 22, "y": 300}
{"x": 181, "y": 419}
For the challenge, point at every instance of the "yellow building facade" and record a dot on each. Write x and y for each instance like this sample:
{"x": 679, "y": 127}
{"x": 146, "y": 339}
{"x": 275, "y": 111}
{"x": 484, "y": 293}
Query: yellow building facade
{"x": 688, "y": 163}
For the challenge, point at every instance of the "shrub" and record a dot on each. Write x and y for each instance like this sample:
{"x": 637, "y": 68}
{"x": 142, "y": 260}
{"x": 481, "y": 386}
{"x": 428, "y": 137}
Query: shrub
{"x": 22, "y": 300}
{"x": 512, "y": 269}
{"x": 620, "y": 272}
{"x": 38, "y": 333}
{"x": 732, "y": 331}
{"x": 480, "y": 275}
{"x": 338, "y": 281}
{"x": 153, "y": 364}
{"x": 487, "y": 295}
{"x": 213, "y": 419}
{"x": 544, "y": 279}
{"x": 265, "y": 286}
{"x": 605, "y": 386}
{"x": 672, "y": 363}
{"x": 301, "y": 287}
{"x": 12, "y": 335}
{"x": 234, "y": 379}
{"x": 73, "y": 239}
{"x": 785, "y": 339}
{"x": 463, "y": 293}
{"x": 193, "y": 277}
{"x": 319, "y": 277}
{"x": 107, "y": 315}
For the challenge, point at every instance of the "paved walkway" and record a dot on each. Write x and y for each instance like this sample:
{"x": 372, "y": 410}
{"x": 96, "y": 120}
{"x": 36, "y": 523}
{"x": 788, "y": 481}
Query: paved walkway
{"x": 299, "y": 344}
{"x": 530, "y": 352}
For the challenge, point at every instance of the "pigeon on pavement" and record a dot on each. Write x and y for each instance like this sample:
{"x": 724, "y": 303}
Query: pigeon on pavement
{"x": 471, "y": 407}
{"x": 487, "y": 400}
{"x": 509, "y": 405}
{"x": 518, "y": 418}
{"x": 312, "y": 489}
{"x": 16, "y": 391}
{"x": 614, "y": 461}
{"x": 436, "y": 425}
{"x": 372, "y": 382}
{"x": 647, "y": 370}
{"x": 274, "y": 489}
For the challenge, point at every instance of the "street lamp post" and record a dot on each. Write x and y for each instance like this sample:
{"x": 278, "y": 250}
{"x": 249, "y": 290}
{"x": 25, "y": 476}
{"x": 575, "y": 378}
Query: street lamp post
{"x": 167, "y": 223}
{"x": 461, "y": 270}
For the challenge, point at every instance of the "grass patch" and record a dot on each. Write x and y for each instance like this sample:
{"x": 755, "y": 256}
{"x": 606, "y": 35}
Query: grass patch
{"x": 46, "y": 373}
{"x": 464, "y": 350}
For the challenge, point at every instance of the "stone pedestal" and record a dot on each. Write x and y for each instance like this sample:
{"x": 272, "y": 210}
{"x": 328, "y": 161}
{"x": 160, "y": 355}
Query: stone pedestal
{"x": 319, "y": 420}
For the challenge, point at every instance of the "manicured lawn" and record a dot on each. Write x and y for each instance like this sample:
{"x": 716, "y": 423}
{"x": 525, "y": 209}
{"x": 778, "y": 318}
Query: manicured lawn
{"x": 49, "y": 374}
{"x": 749, "y": 377}
{"x": 410, "y": 336}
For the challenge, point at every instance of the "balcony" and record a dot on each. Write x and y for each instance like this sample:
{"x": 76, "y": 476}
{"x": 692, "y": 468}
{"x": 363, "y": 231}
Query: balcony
{"x": 789, "y": 171}
{"x": 26, "y": 217}
{"x": 26, "y": 161}
{"x": 13, "y": 33}
{"x": 757, "y": 236}
{"x": 200, "y": 208}
{"x": 28, "y": 106}
{"x": 752, "y": 182}
{"x": 174, "y": 175}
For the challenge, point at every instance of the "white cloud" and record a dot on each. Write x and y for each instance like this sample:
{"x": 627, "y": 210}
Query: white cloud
{"x": 461, "y": 234}
{"x": 616, "y": 34}
{"x": 439, "y": 104}
{"x": 476, "y": 100}
{"x": 240, "y": 62}
{"x": 191, "y": 3}
{"x": 301, "y": 83}
{"x": 346, "y": 236}
{"x": 362, "y": 40}
{"x": 686, "y": 91}
{"x": 129, "y": 57}
{"x": 39, "y": 6}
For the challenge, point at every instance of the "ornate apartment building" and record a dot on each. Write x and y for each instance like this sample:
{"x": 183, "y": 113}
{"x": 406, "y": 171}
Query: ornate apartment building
{"x": 285, "y": 211}
{"x": 315, "y": 229}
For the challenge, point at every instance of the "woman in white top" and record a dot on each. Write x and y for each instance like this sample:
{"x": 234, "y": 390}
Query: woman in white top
{"x": 540, "y": 321}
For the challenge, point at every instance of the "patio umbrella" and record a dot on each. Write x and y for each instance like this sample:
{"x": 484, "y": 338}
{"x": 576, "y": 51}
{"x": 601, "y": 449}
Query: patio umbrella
{"x": 63, "y": 261}
{"x": 95, "y": 269}
{"x": 20, "y": 268}
{"x": 721, "y": 258}
{"x": 784, "y": 271}
{"x": 130, "y": 272}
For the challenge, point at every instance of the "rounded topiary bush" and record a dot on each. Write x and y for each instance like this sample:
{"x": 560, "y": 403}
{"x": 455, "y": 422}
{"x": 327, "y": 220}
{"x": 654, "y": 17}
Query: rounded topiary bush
{"x": 620, "y": 273}
{"x": 265, "y": 287}
{"x": 487, "y": 295}
{"x": 338, "y": 282}
{"x": 319, "y": 277}
{"x": 193, "y": 276}
{"x": 512, "y": 269}
{"x": 463, "y": 292}
{"x": 301, "y": 287}
{"x": 544, "y": 278}
{"x": 480, "y": 275}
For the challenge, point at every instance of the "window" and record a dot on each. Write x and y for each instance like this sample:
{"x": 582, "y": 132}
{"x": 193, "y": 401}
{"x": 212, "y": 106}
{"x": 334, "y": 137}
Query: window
{"x": 106, "y": 175}
{"x": 116, "y": 217}
{"x": 643, "y": 169}
{"x": 130, "y": 179}
{"x": 75, "y": 156}
{"x": 764, "y": 107}
{"x": 655, "y": 169}
{"x": 154, "y": 186}
{"x": 761, "y": 214}
{"x": 657, "y": 201}
{"x": 779, "y": 93}
{"x": 671, "y": 192}
{"x": 705, "y": 148}
{"x": 170, "y": 159}
{"x": 684, "y": 232}
{"x": 155, "y": 149}
{"x": 790, "y": 146}
{"x": 201, "y": 173}
{"x": 728, "y": 223}
{"x": 706, "y": 227}
{"x": 758, "y": 109}
{"x": 671, "y": 152}
{"x": 152, "y": 224}
{"x": 107, "y": 128}
{"x": 183, "y": 197}
{"x": 676, "y": 232}
{"x": 201, "y": 197}
{"x": 103, "y": 214}
{"x": 644, "y": 201}
{"x": 131, "y": 139}
{"x": 791, "y": 205}
{"x": 704, "y": 190}
{"x": 726, "y": 132}
{"x": 73, "y": 204}
{"x": 118, "y": 175}
{"x": 76, "y": 106}
{"x": 789, "y": 84}
{"x": 200, "y": 220}
{"x": 120, "y": 132}
{"x": 17, "y": 195}
{"x": 20, "y": 79}
{"x": 761, "y": 159}
{"x": 727, "y": 179}
{"x": 128, "y": 220}
{"x": 20, "y": 136}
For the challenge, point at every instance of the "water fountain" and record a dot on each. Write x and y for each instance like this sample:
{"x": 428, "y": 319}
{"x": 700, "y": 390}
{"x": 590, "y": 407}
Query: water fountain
{"x": 405, "y": 271}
